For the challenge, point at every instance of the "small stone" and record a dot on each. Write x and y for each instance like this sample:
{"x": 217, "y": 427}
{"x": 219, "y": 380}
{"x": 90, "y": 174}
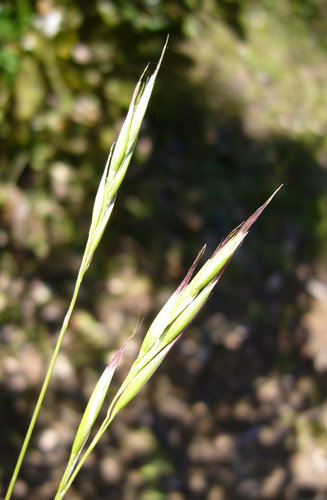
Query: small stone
{"x": 274, "y": 483}
{"x": 20, "y": 489}
{"x": 216, "y": 493}
{"x": 138, "y": 443}
{"x": 40, "y": 293}
{"x": 175, "y": 409}
{"x": 111, "y": 470}
{"x": 175, "y": 495}
{"x": 268, "y": 436}
{"x": 63, "y": 372}
{"x": 197, "y": 482}
{"x": 48, "y": 441}
{"x": 269, "y": 391}
{"x": 13, "y": 376}
{"x": 224, "y": 447}
{"x": 235, "y": 338}
{"x": 201, "y": 450}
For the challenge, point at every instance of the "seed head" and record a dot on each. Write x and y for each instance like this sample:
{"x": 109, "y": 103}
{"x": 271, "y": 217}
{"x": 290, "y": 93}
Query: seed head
{"x": 179, "y": 311}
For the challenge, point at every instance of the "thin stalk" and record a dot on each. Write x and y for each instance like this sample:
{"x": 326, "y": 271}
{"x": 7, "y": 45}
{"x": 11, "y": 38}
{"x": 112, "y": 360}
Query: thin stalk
{"x": 87, "y": 256}
{"x": 104, "y": 426}
{"x": 65, "y": 478}
{"x": 44, "y": 386}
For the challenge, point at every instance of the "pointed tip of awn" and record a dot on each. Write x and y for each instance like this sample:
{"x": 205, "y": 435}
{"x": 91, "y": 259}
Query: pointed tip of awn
{"x": 190, "y": 272}
{"x": 250, "y": 221}
{"x": 162, "y": 56}
{"x": 244, "y": 228}
{"x": 115, "y": 360}
{"x": 143, "y": 83}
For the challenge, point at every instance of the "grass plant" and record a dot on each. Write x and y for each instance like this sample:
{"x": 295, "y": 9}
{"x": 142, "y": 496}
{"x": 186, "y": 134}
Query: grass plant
{"x": 178, "y": 312}
{"x": 167, "y": 327}
{"x": 112, "y": 177}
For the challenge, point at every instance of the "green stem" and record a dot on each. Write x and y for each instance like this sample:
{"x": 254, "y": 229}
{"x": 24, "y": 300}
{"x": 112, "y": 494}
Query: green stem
{"x": 46, "y": 381}
{"x": 67, "y": 474}
{"x": 104, "y": 426}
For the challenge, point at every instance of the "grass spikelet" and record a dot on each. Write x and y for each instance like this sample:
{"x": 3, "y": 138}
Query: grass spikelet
{"x": 170, "y": 323}
{"x": 181, "y": 309}
{"x": 90, "y": 415}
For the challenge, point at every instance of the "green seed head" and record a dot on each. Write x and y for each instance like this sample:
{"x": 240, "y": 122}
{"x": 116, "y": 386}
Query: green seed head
{"x": 118, "y": 160}
{"x": 179, "y": 311}
{"x": 95, "y": 403}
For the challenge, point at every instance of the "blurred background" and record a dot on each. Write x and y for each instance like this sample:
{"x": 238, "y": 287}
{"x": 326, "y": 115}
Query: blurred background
{"x": 238, "y": 408}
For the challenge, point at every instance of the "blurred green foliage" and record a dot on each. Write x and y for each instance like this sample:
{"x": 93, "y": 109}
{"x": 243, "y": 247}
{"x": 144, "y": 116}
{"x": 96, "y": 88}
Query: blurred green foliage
{"x": 15, "y": 19}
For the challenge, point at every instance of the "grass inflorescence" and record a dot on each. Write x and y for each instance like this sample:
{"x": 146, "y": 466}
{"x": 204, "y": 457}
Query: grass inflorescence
{"x": 170, "y": 323}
